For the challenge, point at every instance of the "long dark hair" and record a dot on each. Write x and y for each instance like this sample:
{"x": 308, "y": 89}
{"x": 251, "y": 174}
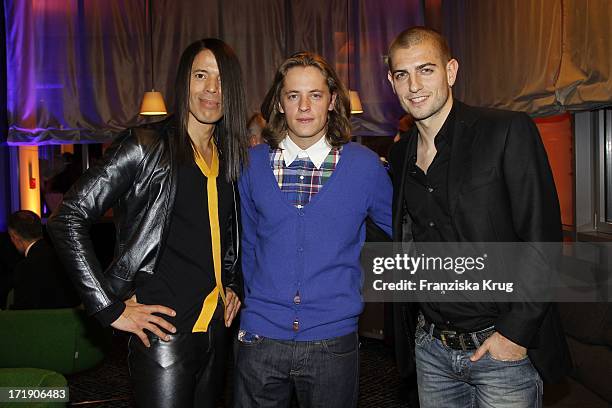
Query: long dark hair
{"x": 338, "y": 124}
{"x": 230, "y": 132}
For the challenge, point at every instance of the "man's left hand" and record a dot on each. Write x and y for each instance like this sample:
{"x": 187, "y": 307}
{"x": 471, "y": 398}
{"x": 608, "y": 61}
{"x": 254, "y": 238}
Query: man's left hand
{"x": 232, "y": 305}
{"x": 500, "y": 348}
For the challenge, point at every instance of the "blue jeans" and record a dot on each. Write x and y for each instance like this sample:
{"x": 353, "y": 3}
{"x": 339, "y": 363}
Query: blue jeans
{"x": 323, "y": 373}
{"x": 447, "y": 378}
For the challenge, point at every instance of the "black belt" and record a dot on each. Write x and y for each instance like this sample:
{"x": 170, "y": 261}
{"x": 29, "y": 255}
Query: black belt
{"x": 458, "y": 340}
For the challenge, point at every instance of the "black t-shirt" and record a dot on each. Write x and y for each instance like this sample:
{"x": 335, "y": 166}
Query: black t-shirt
{"x": 185, "y": 274}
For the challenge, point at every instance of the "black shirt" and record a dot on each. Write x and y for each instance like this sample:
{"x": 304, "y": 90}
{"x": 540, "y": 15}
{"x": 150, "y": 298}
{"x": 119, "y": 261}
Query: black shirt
{"x": 426, "y": 198}
{"x": 427, "y": 193}
{"x": 185, "y": 273}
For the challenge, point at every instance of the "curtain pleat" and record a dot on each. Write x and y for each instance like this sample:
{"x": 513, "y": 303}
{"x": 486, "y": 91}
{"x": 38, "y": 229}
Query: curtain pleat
{"x": 585, "y": 77}
{"x": 541, "y": 57}
{"x": 257, "y": 31}
{"x": 175, "y": 26}
{"x": 75, "y": 69}
{"x": 376, "y": 27}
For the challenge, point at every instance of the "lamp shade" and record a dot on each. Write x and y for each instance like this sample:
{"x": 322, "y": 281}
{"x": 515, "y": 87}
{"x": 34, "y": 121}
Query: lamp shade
{"x": 153, "y": 104}
{"x": 355, "y": 102}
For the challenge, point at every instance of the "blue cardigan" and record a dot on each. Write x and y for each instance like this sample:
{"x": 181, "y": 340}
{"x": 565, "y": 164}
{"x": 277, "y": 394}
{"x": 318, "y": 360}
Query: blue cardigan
{"x": 314, "y": 249}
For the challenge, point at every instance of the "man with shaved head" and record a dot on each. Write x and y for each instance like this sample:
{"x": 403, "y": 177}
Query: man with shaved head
{"x": 466, "y": 174}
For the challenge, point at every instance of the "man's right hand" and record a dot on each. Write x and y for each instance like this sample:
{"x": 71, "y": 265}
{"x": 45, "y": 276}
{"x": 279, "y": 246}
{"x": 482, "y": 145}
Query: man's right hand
{"x": 137, "y": 317}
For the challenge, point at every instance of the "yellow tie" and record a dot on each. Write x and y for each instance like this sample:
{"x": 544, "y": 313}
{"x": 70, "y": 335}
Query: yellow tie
{"x": 210, "y": 303}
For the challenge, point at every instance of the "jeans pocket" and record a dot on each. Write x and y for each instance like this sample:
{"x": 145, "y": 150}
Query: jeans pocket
{"x": 246, "y": 338}
{"x": 341, "y": 346}
{"x": 508, "y": 362}
{"x": 540, "y": 391}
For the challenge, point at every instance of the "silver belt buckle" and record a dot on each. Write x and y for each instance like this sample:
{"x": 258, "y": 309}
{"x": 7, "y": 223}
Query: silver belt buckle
{"x": 444, "y": 333}
{"x": 462, "y": 342}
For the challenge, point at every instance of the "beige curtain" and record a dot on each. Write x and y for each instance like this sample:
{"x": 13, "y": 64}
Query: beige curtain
{"x": 77, "y": 69}
{"x": 585, "y": 77}
{"x": 262, "y": 32}
{"x": 376, "y": 26}
{"x": 175, "y": 26}
{"x": 73, "y": 72}
{"x": 540, "y": 57}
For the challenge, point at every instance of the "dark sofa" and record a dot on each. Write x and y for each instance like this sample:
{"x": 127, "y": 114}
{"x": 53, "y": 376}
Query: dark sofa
{"x": 588, "y": 328}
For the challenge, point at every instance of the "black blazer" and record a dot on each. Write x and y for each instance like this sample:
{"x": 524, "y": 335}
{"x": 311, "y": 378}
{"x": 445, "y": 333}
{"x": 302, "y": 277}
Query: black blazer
{"x": 40, "y": 281}
{"x": 500, "y": 189}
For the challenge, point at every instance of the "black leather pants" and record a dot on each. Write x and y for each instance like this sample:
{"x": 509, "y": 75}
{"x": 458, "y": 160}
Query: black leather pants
{"x": 187, "y": 371}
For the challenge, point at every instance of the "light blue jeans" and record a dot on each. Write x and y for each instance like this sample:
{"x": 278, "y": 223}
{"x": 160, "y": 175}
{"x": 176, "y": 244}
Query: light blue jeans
{"x": 447, "y": 378}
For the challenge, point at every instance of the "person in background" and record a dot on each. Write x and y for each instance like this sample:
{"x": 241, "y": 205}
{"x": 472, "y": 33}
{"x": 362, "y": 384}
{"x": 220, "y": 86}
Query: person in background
{"x": 255, "y": 126}
{"x": 175, "y": 280}
{"x": 39, "y": 281}
{"x": 403, "y": 125}
{"x": 9, "y": 257}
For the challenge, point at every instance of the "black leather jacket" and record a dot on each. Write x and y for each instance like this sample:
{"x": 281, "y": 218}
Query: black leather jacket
{"x": 137, "y": 178}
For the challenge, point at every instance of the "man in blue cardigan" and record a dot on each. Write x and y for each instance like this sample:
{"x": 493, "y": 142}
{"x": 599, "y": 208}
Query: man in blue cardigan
{"x": 305, "y": 197}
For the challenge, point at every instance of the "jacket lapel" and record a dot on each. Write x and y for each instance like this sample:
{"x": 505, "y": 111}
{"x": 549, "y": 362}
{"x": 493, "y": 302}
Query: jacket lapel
{"x": 399, "y": 224}
{"x": 461, "y": 152}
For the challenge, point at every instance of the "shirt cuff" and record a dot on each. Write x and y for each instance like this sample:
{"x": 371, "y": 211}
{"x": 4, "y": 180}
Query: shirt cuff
{"x": 110, "y": 313}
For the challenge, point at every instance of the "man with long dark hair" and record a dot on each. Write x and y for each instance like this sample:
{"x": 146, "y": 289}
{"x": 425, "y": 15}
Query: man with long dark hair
{"x": 305, "y": 197}
{"x": 175, "y": 281}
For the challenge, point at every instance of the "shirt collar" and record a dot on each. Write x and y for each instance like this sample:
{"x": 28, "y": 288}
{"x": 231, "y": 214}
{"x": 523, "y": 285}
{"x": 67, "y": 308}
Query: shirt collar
{"x": 445, "y": 134}
{"x": 316, "y": 153}
{"x": 443, "y": 139}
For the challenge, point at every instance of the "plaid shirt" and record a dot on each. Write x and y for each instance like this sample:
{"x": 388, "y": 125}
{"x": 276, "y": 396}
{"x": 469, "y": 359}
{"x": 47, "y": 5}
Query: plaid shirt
{"x": 301, "y": 180}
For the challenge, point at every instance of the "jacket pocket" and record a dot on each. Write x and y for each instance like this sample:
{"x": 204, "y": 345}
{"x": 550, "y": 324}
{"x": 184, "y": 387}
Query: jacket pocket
{"x": 479, "y": 180}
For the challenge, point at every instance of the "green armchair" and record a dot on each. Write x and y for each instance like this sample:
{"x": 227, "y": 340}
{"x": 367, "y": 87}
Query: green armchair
{"x": 62, "y": 340}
